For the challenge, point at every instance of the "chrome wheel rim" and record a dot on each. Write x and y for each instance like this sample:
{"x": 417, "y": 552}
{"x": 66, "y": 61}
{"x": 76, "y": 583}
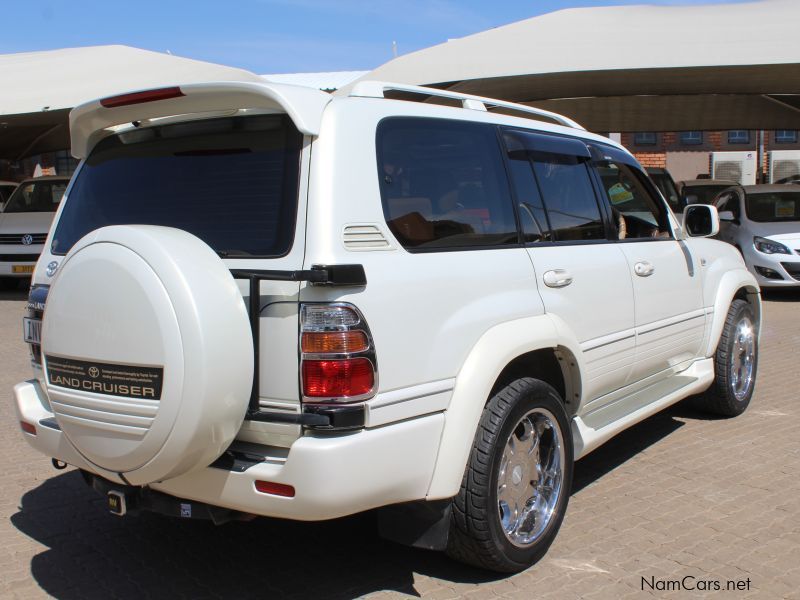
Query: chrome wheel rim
{"x": 530, "y": 478}
{"x": 743, "y": 358}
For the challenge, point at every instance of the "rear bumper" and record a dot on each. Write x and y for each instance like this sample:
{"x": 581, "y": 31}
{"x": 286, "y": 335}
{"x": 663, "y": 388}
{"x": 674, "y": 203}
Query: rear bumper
{"x": 333, "y": 476}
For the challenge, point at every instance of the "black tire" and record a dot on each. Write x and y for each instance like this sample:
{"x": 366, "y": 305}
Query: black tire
{"x": 476, "y": 532}
{"x": 726, "y": 396}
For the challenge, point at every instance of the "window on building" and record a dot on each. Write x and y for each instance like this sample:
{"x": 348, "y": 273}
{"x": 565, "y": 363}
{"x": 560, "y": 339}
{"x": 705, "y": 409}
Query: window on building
{"x": 738, "y": 136}
{"x": 691, "y": 138}
{"x": 785, "y": 136}
{"x": 645, "y": 138}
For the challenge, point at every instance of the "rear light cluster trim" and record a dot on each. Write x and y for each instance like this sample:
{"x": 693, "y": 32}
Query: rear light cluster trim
{"x": 338, "y": 363}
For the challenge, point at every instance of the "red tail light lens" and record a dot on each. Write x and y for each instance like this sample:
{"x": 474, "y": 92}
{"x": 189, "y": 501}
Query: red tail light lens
{"x": 142, "y": 97}
{"x": 276, "y": 489}
{"x": 337, "y": 378}
{"x": 27, "y": 427}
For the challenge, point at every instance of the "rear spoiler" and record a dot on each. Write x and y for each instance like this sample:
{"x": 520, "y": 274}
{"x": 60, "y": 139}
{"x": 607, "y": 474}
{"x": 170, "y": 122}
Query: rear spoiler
{"x": 89, "y": 122}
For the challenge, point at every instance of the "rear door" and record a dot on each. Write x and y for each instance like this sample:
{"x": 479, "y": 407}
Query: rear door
{"x": 668, "y": 303}
{"x": 583, "y": 277}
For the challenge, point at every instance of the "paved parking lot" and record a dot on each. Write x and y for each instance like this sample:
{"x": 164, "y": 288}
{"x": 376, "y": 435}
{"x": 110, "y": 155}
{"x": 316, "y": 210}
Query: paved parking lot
{"x": 680, "y": 497}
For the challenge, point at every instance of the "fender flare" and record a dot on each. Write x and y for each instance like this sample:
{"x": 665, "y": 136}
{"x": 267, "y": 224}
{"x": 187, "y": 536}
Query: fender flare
{"x": 730, "y": 283}
{"x": 496, "y": 348}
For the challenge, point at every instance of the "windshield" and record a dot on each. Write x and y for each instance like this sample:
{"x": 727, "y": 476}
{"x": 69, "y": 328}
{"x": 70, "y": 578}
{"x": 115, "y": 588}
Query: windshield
{"x": 37, "y": 196}
{"x": 773, "y": 207}
{"x": 231, "y": 182}
{"x": 703, "y": 194}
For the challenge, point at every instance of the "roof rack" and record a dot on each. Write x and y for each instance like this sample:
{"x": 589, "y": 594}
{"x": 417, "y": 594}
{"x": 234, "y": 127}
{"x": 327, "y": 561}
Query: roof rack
{"x": 376, "y": 89}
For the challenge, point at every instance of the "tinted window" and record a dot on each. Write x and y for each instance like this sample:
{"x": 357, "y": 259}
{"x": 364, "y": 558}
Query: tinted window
{"x": 665, "y": 185}
{"x": 443, "y": 184}
{"x": 569, "y": 198}
{"x": 636, "y": 213}
{"x": 771, "y": 207}
{"x": 532, "y": 215}
{"x": 231, "y": 182}
{"x": 37, "y": 196}
{"x": 5, "y": 192}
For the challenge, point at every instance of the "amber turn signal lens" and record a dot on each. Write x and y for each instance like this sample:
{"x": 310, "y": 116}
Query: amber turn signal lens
{"x": 334, "y": 342}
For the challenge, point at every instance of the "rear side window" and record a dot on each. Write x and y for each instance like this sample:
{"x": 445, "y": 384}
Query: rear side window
{"x": 231, "y": 182}
{"x": 443, "y": 184}
{"x": 569, "y": 197}
{"x": 37, "y": 196}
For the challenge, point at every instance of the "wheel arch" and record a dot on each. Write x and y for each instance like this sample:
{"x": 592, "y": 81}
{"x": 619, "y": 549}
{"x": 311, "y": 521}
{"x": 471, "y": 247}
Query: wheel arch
{"x": 734, "y": 285}
{"x": 530, "y": 347}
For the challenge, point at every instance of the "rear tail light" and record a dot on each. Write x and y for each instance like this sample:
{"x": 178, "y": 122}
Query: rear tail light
{"x": 338, "y": 362}
{"x": 334, "y": 342}
{"x": 28, "y": 427}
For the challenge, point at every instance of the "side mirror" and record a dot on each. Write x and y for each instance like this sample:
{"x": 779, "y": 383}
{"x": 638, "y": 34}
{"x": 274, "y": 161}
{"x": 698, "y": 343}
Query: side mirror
{"x": 727, "y": 215}
{"x": 701, "y": 220}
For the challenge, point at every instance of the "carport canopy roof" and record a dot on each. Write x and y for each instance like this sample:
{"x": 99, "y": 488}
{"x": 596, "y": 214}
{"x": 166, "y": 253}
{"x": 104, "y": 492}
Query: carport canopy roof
{"x": 631, "y": 68}
{"x": 39, "y": 88}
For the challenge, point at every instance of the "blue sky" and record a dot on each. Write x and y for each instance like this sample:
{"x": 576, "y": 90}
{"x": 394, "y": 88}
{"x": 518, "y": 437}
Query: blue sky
{"x": 269, "y": 36}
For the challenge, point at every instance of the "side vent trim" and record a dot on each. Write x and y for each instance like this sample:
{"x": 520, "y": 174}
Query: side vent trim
{"x": 360, "y": 237}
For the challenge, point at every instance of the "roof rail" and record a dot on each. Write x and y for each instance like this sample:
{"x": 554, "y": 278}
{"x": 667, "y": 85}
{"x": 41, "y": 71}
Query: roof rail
{"x": 376, "y": 89}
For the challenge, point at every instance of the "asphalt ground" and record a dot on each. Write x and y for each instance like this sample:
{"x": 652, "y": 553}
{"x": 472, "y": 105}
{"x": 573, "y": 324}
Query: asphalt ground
{"x": 674, "y": 507}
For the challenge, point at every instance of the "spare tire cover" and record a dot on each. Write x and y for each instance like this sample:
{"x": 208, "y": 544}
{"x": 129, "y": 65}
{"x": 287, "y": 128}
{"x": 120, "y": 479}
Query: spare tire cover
{"x": 147, "y": 351}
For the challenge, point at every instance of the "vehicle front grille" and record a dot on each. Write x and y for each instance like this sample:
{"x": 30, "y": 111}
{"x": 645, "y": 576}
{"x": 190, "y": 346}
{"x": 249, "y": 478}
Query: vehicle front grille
{"x": 16, "y": 238}
{"x": 19, "y": 257}
{"x": 793, "y": 269}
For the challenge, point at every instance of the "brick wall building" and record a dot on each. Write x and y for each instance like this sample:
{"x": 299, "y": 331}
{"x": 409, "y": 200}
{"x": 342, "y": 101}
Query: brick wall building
{"x": 687, "y": 154}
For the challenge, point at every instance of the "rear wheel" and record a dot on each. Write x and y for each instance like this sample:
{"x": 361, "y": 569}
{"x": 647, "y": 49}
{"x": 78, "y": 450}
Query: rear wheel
{"x": 516, "y": 487}
{"x": 735, "y": 364}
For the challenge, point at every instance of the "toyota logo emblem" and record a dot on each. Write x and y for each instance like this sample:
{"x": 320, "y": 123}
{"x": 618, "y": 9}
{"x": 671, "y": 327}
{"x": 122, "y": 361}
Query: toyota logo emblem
{"x": 94, "y": 372}
{"x": 27, "y": 239}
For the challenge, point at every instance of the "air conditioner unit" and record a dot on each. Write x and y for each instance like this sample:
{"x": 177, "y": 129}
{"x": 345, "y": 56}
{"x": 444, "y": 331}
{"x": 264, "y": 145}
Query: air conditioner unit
{"x": 784, "y": 165}
{"x": 734, "y": 166}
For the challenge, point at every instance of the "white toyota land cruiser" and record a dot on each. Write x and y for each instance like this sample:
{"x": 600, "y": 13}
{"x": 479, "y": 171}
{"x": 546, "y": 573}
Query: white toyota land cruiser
{"x": 262, "y": 299}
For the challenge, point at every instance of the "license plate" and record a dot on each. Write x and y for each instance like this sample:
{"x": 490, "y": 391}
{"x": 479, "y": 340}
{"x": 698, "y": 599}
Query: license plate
{"x": 22, "y": 268}
{"x": 32, "y": 330}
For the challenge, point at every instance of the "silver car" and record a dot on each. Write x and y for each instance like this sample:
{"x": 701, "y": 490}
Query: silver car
{"x": 763, "y": 222}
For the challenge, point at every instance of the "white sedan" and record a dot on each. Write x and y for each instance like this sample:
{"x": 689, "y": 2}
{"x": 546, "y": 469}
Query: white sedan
{"x": 763, "y": 222}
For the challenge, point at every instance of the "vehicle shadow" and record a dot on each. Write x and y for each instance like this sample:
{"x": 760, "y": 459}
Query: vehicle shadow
{"x": 91, "y": 553}
{"x": 781, "y": 295}
{"x": 16, "y": 293}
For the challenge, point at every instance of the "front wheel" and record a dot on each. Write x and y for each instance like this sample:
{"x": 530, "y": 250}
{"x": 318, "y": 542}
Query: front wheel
{"x": 516, "y": 487}
{"x": 735, "y": 364}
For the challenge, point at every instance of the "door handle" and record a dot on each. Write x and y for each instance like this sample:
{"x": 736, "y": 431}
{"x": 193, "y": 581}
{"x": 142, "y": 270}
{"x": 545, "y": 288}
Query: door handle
{"x": 557, "y": 278}
{"x": 643, "y": 269}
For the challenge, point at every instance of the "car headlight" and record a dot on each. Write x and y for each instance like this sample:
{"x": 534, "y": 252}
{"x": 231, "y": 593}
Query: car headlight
{"x": 769, "y": 246}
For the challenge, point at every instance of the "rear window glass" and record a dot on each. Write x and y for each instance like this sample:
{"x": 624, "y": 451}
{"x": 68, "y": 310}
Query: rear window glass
{"x": 37, "y": 196}
{"x": 443, "y": 184}
{"x": 778, "y": 206}
{"x": 569, "y": 197}
{"x": 231, "y": 182}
